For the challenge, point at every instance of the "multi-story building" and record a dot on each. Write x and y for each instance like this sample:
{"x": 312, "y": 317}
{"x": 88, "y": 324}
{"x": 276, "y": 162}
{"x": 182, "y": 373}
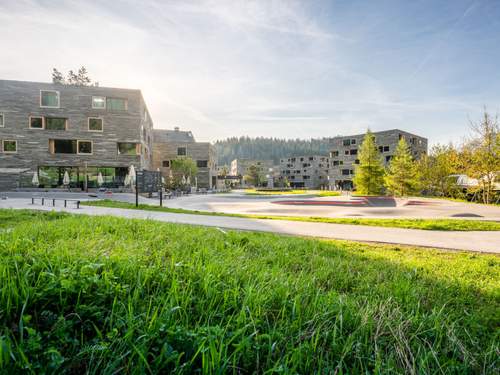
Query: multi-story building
{"x": 83, "y": 130}
{"x": 344, "y": 153}
{"x": 239, "y": 168}
{"x": 310, "y": 172}
{"x": 172, "y": 144}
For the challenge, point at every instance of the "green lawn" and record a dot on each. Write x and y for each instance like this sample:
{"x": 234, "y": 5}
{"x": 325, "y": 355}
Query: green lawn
{"x": 425, "y": 224}
{"x": 106, "y": 295}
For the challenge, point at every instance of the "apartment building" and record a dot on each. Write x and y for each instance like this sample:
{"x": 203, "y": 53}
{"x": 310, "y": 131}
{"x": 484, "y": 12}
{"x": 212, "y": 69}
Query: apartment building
{"x": 83, "y": 130}
{"x": 172, "y": 144}
{"x": 344, "y": 153}
{"x": 239, "y": 167}
{"x": 310, "y": 172}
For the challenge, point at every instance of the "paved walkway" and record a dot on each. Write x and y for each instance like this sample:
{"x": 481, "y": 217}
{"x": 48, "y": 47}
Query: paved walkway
{"x": 470, "y": 241}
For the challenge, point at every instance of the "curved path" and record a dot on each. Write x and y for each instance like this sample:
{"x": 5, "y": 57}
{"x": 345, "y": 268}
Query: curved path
{"x": 470, "y": 241}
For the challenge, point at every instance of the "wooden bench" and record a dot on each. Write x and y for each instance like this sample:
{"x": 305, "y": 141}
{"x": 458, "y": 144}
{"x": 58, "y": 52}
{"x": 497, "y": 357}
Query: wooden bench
{"x": 43, "y": 199}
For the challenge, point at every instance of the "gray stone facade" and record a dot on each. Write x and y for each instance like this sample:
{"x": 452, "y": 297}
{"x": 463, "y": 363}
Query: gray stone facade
{"x": 239, "y": 168}
{"x": 309, "y": 172}
{"x": 344, "y": 150}
{"x": 172, "y": 144}
{"x": 77, "y": 147}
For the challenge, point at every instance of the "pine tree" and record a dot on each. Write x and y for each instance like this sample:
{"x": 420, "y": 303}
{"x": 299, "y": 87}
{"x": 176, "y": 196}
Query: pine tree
{"x": 57, "y": 76}
{"x": 369, "y": 174}
{"x": 402, "y": 178}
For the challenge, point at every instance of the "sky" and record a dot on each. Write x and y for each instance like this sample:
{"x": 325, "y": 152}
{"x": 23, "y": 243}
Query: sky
{"x": 287, "y": 69}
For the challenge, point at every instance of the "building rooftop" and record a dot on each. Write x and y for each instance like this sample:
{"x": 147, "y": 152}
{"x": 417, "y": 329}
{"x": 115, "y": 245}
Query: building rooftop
{"x": 175, "y": 135}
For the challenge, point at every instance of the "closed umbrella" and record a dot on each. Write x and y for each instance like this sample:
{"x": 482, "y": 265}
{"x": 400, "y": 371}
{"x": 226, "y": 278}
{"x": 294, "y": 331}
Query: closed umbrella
{"x": 35, "y": 181}
{"x": 126, "y": 182}
{"x": 183, "y": 181}
{"x": 188, "y": 180}
{"x": 66, "y": 178}
{"x": 100, "y": 180}
{"x": 131, "y": 172}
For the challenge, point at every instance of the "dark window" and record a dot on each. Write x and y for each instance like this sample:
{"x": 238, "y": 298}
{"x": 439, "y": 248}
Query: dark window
{"x": 9, "y": 146}
{"x": 129, "y": 148}
{"x": 380, "y": 149}
{"x": 165, "y": 163}
{"x": 388, "y": 158}
{"x": 346, "y": 142}
{"x": 335, "y": 162}
{"x": 55, "y": 123}
{"x": 181, "y": 151}
{"x": 63, "y": 146}
{"x": 334, "y": 154}
{"x": 84, "y": 147}
{"x": 352, "y": 171}
{"x": 116, "y": 104}
{"x": 356, "y": 161}
{"x": 354, "y": 152}
{"x": 95, "y": 124}
{"x": 2, "y": 120}
{"x": 36, "y": 122}
{"x": 301, "y": 159}
{"x": 202, "y": 163}
{"x": 353, "y": 141}
{"x": 400, "y": 136}
{"x": 346, "y": 152}
{"x": 306, "y": 177}
{"x": 386, "y": 148}
{"x": 345, "y": 172}
{"x": 311, "y": 158}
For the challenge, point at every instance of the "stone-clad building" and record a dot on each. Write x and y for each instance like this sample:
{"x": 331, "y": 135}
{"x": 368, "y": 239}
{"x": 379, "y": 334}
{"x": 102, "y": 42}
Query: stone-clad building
{"x": 82, "y": 130}
{"x": 172, "y": 144}
{"x": 310, "y": 172}
{"x": 239, "y": 168}
{"x": 344, "y": 151}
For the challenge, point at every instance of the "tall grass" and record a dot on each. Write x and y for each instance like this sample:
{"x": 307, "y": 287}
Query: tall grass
{"x": 104, "y": 295}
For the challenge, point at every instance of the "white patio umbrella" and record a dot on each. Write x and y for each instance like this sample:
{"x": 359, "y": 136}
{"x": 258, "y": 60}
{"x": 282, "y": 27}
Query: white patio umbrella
{"x": 66, "y": 178}
{"x": 100, "y": 180}
{"x": 196, "y": 182}
{"x": 131, "y": 172}
{"x": 35, "y": 181}
{"x": 188, "y": 180}
{"x": 126, "y": 182}
{"x": 183, "y": 181}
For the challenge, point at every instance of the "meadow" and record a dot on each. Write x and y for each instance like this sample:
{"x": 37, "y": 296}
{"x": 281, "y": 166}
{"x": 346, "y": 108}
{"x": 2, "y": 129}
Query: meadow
{"x": 107, "y": 295}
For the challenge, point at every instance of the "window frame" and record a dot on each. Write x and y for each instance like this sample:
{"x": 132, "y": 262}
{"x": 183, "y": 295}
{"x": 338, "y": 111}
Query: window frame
{"x": 98, "y": 96}
{"x": 32, "y": 117}
{"x": 95, "y": 118}
{"x": 202, "y": 161}
{"x": 138, "y": 148}
{"x": 185, "y": 151}
{"x": 50, "y": 106}
{"x": 165, "y": 164}
{"x": 84, "y": 153}
{"x": 3, "y": 146}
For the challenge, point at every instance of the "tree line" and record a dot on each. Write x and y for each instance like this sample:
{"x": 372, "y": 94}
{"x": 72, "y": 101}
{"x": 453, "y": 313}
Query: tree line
{"x": 434, "y": 174}
{"x": 263, "y": 148}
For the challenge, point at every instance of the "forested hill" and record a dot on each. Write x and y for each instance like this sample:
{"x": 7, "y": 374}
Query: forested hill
{"x": 268, "y": 148}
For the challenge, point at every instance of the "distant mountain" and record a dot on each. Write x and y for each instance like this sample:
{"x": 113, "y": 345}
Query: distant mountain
{"x": 263, "y": 148}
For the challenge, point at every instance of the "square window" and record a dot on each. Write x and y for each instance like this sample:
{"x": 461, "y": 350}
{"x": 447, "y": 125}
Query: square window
{"x": 116, "y": 104}
{"x": 165, "y": 163}
{"x": 202, "y": 163}
{"x": 346, "y": 142}
{"x": 95, "y": 124}
{"x": 386, "y": 148}
{"x": 9, "y": 146}
{"x": 55, "y": 123}
{"x": 84, "y": 147}
{"x": 354, "y": 152}
{"x": 353, "y": 141}
{"x": 99, "y": 102}
{"x": 63, "y": 146}
{"x": 2, "y": 120}
{"x": 181, "y": 151}
{"x": 36, "y": 122}
{"x": 49, "y": 99}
